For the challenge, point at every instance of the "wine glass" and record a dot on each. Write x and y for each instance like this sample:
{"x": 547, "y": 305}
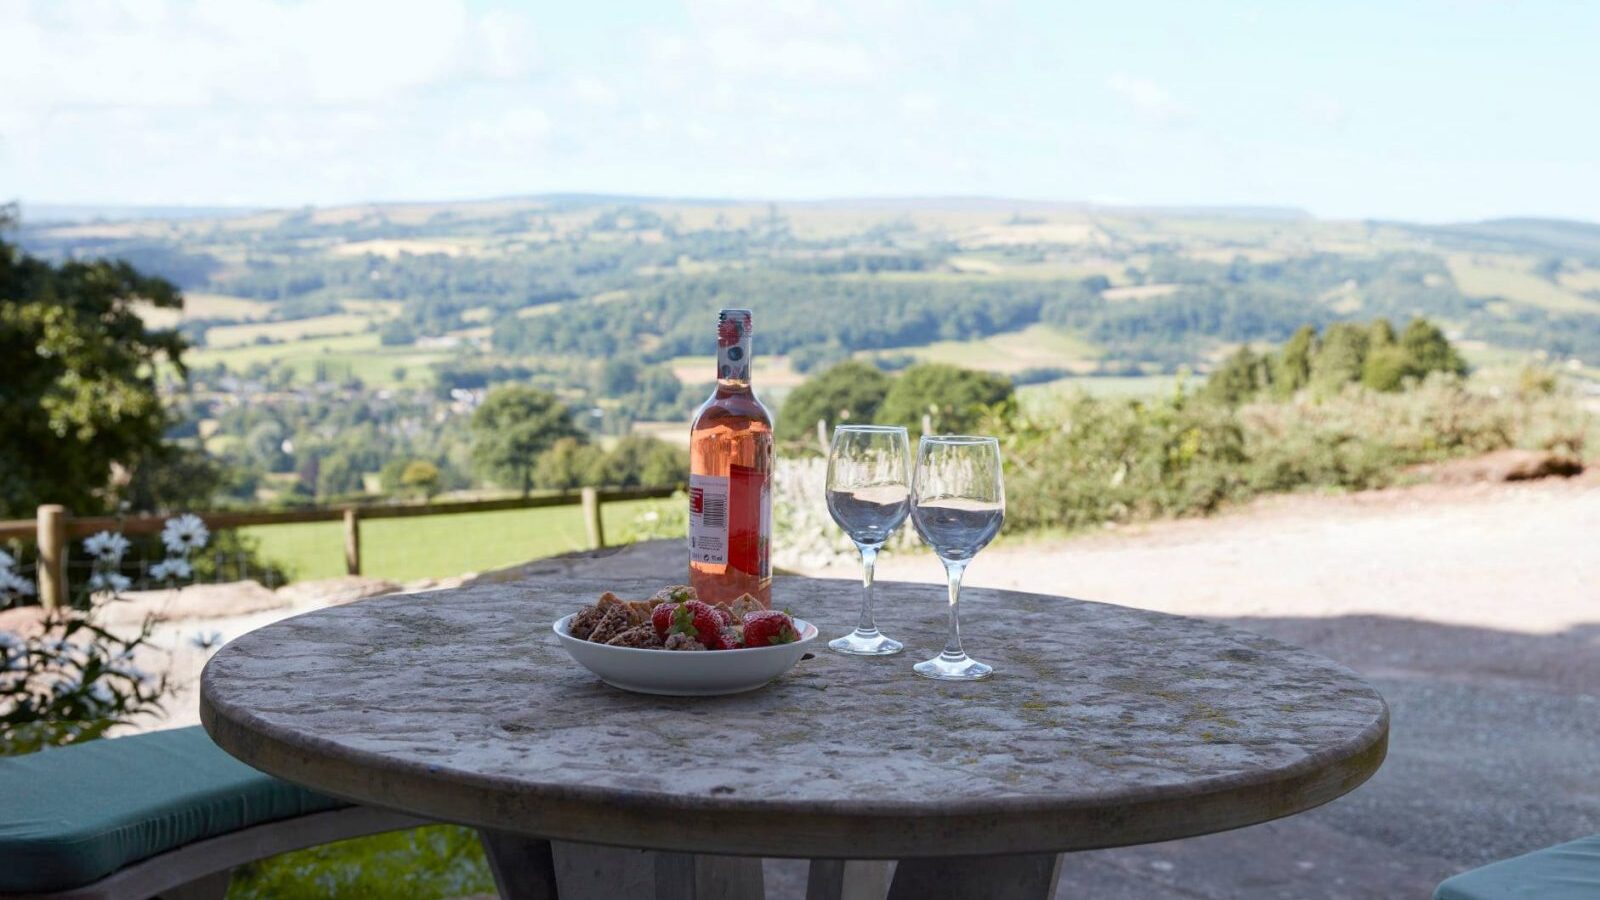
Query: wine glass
{"x": 958, "y": 503}
{"x": 869, "y": 495}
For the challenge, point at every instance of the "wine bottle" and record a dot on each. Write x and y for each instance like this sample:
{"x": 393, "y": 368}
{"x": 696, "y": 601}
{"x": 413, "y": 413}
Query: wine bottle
{"x": 730, "y": 477}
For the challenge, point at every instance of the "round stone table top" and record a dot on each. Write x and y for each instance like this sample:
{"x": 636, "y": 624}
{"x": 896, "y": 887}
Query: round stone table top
{"x": 1102, "y": 726}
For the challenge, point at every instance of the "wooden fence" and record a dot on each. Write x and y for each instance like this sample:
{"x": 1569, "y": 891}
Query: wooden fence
{"x": 54, "y": 528}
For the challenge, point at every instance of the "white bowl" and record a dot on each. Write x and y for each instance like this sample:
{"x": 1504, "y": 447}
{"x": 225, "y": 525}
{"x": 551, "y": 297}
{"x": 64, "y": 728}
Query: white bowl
{"x": 683, "y": 673}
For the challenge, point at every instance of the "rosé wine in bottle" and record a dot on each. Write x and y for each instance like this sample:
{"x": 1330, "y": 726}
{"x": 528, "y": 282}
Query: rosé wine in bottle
{"x": 730, "y": 477}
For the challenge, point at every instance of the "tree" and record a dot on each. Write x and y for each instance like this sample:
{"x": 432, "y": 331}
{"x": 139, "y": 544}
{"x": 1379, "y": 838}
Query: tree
{"x": 421, "y": 476}
{"x": 638, "y": 460}
{"x": 78, "y": 370}
{"x": 569, "y": 463}
{"x": 1428, "y": 350}
{"x": 1293, "y": 366}
{"x": 849, "y": 392}
{"x": 513, "y": 426}
{"x": 1340, "y": 359}
{"x": 337, "y": 474}
{"x": 953, "y": 398}
{"x": 1241, "y": 377}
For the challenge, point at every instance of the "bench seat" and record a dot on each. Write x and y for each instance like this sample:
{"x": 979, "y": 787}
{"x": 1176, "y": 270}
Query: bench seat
{"x": 74, "y": 815}
{"x": 1568, "y": 871}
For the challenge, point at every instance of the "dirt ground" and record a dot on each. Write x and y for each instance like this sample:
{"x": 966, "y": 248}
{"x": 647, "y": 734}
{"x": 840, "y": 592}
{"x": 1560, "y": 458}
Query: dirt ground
{"x": 1521, "y": 557}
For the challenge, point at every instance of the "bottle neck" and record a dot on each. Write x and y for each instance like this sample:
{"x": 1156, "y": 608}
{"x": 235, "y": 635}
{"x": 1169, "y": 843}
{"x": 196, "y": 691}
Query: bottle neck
{"x": 734, "y": 352}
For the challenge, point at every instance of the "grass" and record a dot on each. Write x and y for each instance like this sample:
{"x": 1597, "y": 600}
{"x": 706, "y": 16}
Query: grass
{"x": 361, "y": 355}
{"x": 1037, "y": 346}
{"x": 1034, "y": 396}
{"x": 1480, "y": 275}
{"x": 438, "y": 546}
{"x": 293, "y": 330}
{"x": 429, "y": 863}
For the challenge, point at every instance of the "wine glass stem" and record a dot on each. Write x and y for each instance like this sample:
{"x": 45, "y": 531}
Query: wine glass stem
{"x": 869, "y": 559}
{"x": 953, "y": 570}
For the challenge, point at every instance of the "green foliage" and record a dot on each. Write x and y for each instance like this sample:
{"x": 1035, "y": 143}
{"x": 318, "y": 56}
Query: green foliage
{"x": 659, "y": 519}
{"x": 1292, "y": 367}
{"x": 421, "y": 476}
{"x": 1341, "y": 358}
{"x": 1087, "y": 461}
{"x": 954, "y": 399}
{"x": 640, "y": 461}
{"x": 78, "y": 392}
{"x": 512, "y": 428}
{"x": 569, "y": 463}
{"x": 849, "y": 392}
{"x": 428, "y": 863}
{"x": 1243, "y": 375}
{"x": 1346, "y": 353}
{"x": 70, "y": 684}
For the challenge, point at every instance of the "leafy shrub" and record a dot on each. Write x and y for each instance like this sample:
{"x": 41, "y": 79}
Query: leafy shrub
{"x": 1086, "y": 461}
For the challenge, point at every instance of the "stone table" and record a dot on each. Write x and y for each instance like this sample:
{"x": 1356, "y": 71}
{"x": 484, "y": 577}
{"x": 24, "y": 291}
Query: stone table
{"x": 1103, "y": 726}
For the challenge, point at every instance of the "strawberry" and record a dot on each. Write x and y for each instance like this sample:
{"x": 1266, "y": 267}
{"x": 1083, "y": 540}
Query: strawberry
{"x": 726, "y": 615}
{"x": 769, "y": 627}
{"x": 661, "y": 617}
{"x": 700, "y": 621}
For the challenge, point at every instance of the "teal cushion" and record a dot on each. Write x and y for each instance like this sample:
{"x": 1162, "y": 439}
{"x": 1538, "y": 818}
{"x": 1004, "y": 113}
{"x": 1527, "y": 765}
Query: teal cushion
{"x": 73, "y": 815}
{"x": 1564, "y": 872}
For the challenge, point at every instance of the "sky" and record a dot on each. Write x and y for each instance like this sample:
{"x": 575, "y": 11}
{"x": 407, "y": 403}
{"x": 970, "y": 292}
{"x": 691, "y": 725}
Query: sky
{"x": 1431, "y": 110}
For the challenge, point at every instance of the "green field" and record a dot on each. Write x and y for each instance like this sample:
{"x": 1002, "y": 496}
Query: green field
{"x": 1034, "y": 347}
{"x": 223, "y": 336}
{"x": 1481, "y": 275}
{"x": 439, "y": 546}
{"x": 1034, "y": 396}
{"x": 360, "y": 355}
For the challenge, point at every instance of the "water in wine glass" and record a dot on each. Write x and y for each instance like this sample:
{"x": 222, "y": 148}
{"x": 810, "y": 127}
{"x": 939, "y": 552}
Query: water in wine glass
{"x": 870, "y": 514}
{"x": 959, "y": 503}
{"x": 958, "y": 527}
{"x": 869, "y": 495}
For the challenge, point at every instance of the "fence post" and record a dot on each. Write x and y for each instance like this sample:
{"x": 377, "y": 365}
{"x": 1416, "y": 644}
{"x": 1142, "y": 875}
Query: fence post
{"x": 591, "y": 518}
{"x": 52, "y": 555}
{"x": 352, "y": 540}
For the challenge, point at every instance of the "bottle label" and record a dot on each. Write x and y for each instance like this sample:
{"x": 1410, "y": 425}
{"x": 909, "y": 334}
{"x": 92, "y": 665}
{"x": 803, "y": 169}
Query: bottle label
{"x": 708, "y": 519}
{"x": 733, "y": 345}
{"x": 749, "y": 520}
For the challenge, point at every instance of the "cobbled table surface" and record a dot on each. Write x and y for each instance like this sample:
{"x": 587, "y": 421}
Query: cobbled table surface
{"x": 1103, "y": 726}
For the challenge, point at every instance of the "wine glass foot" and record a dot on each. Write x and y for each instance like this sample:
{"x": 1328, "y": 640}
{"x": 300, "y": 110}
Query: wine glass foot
{"x": 949, "y": 667}
{"x": 866, "y": 643}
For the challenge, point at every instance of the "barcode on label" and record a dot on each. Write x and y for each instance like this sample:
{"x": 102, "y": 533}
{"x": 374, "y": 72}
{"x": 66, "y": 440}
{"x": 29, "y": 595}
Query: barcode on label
{"x": 715, "y": 513}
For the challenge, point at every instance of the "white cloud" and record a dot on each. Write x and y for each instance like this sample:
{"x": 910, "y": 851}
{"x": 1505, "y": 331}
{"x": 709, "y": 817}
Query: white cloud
{"x": 160, "y": 53}
{"x": 594, "y": 92}
{"x": 1146, "y": 96}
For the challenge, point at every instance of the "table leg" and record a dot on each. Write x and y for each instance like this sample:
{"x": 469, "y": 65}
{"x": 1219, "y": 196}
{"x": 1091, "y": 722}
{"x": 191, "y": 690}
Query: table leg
{"x": 686, "y": 876}
{"x": 523, "y": 866}
{"x": 592, "y": 872}
{"x": 848, "y": 879}
{"x": 1022, "y": 877}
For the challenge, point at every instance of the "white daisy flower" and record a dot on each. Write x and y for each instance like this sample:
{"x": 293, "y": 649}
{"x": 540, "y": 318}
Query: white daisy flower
{"x": 12, "y": 583}
{"x": 171, "y": 570}
{"x": 115, "y": 582}
{"x": 106, "y": 546}
{"x": 99, "y": 693}
{"x": 66, "y": 686}
{"x": 184, "y": 533}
